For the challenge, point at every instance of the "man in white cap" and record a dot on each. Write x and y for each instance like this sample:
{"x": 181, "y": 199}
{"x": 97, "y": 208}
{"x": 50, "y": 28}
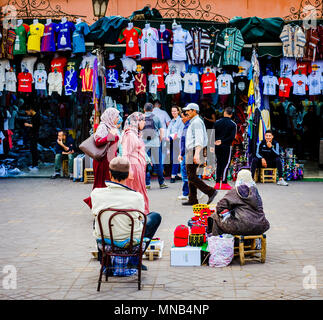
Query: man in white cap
{"x": 195, "y": 144}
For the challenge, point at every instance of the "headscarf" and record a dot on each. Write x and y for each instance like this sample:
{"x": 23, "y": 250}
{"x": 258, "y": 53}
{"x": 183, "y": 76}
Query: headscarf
{"x": 108, "y": 119}
{"x": 244, "y": 177}
{"x": 132, "y": 122}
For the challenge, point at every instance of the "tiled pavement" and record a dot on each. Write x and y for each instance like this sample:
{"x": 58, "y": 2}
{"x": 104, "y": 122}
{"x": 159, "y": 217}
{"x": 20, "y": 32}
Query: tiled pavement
{"x": 46, "y": 233}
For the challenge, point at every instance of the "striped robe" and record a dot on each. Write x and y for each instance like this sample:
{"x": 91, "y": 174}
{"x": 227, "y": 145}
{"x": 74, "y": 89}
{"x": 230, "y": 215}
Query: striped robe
{"x": 232, "y": 54}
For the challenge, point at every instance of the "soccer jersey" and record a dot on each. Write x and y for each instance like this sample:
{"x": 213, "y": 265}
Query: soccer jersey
{"x": 181, "y": 38}
{"x": 208, "y": 81}
{"x": 190, "y": 81}
{"x": 25, "y": 80}
{"x": 164, "y": 39}
{"x": 131, "y": 36}
{"x": 174, "y": 83}
{"x": 177, "y": 67}
{"x": 314, "y": 83}
{"x": 87, "y": 79}
{"x": 149, "y": 44}
{"x": 70, "y": 81}
{"x": 299, "y": 84}
{"x": 65, "y": 31}
{"x": 153, "y": 83}
{"x": 81, "y": 30}
{"x": 28, "y": 63}
{"x": 20, "y": 46}
{"x": 224, "y": 84}
{"x": 303, "y": 67}
{"x": 160, "y": 69}
{"x": 36, "y": 31}
{"x": 126, "y": 80}
{"x": 48, "y": 43}
{"x": 270, "y": 83}
{"x": 55, "y": 81}
{"x": 285, "y": 85}
{"x": 40, "y": 78}
{"x": 11, "y": 81}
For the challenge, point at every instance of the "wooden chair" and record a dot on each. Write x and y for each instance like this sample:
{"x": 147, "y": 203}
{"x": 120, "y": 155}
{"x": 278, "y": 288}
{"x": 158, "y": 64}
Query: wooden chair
{"x": 109, "y": 251}
{"x": 88, "y": 175}
{"x": 268, "y": 175}
{"x": 250, "y": 249}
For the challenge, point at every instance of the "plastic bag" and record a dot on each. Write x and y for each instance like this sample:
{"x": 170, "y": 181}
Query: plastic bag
{"x": 221, "y": 249}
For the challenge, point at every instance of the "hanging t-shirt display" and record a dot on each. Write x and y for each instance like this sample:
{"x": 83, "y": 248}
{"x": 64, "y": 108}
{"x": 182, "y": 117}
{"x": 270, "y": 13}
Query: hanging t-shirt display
{"x": 112, "y": 76}
{"x": 241, "y": 85}
{"x": 59, "y": 64}
{"x": 160, "y": 69}
{"x": 181, "y": 38}
{"x": 40, "y": 78}
{"x": 88, "y": 59}
{"x": 224, "y": 84}
{"x": 36, "y": 31}
{"x": 163, "y": 52}
{"x": 81, "y": 30}
{"x": 197, "y": 70}
{"x": 149, "y": 43}
{"x": 129, "y": 64}
{"x": 25, "y": 82}
{"x": 285, "y": 85}
{"x": 2, "y": 137}
{"x": 304, "y": 67}
{"x": 208, "y": 81}
{"x": 190, "y": 82}
{"x": 317, "y": 66}
{"x": 140, "y": 83}
{"x": 270, "y": 83}
{"x": 28, "y": 63}
{"x": 177, "y": 67}
{"x": 243, "y": 68}
{"x": 174, "y": 83}
{"x": 131, "y": 36}
{"x": 314, "y": 83}
{"x": 20, "y": 46}
{"x": 287, "y": 67}
{"x": 153, "y": 83}
{"x": 48, "y": 43}
{"x": 299, "y": 84}
{"x": 55, "y": 81}
{"x": 126, "y": 80}
{"x": 70, "y": 81}
{"x": 4, "y": 65}
{"x": 87, "y": 79}
{"x": 65, "y": 31}
{"x": 11, "y": 81}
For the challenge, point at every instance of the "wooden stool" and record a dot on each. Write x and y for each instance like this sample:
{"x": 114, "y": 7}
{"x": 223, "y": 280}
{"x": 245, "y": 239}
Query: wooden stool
{"x": 88, "y": 175}
{"x": 256, "y": 177}
{"x": 65, "y": 167}
{"x": 268, "y": 175}
{"x": 242, "y": 250}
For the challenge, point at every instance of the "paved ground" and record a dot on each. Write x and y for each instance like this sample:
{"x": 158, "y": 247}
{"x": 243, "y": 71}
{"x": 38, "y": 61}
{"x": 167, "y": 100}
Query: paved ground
{"x": 46, "y": 233}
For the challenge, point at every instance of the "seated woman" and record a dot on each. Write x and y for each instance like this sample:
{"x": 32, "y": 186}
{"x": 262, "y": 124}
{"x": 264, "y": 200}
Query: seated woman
{"x": 240, "y": 211}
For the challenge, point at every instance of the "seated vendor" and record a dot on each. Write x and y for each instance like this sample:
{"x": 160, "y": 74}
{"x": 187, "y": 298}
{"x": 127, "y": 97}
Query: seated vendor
{"x": 240, "y": 211}
{"x": 117, "y": 195}
{"x": 267, "y": 156}
{"x": 64, "y": 148}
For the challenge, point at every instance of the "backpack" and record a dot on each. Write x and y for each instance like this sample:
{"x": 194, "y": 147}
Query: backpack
{"x": 149, "y": 132}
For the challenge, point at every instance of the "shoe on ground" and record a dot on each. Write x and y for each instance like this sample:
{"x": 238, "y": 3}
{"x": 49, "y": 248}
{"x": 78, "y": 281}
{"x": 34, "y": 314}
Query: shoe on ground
{"x": 211, "y": 198}
{"x": 217, "y": 186}
{"x": 178, "y": 178}
{"x": 71, "y": 176}
{"x": 172, "y": 180}
{"x": 163, "y": 186}
{"x": 282, "y": 182}
{"x": 143, "y": 267}
{"x": 148, "y": 187}
{"x": 55, "y": 175}
{"x": 226, "y": 186}
{"x": 188, "y": 203}
{"x": 182, "y": 198}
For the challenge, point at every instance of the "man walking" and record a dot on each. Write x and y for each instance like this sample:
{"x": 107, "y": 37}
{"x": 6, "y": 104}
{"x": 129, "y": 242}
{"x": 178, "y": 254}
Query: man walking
{"x": 196, "y": 143}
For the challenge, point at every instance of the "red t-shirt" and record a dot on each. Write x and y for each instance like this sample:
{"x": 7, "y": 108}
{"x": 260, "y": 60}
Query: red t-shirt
{"x": 208, "y": 82}
{"x": 285, "y": 85}
{"x": 160, "y": 68}
{"x": 25, "y": 82}
{"x": 132, "y": 37}
{"x": 304, "y": 67}
{"x": 59, "y": 64}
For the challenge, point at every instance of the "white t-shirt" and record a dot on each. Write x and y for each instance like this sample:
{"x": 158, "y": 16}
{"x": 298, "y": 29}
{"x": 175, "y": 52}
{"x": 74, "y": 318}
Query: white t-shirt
{"x": 314, "y": 83}
{"x": 88, "y": 58}
{"x": 190, "y": 81}
{"x": 177, "y": 67}
{"x": 270, "y": 83}
{"x": 28, "y": 63}
{"x": 318, "y": 67}
{"x": 55, "y": 83}
{"x": 244, "y": 67}
{"x": 174, "y": 83}
{"x": 153, "y": 83}
{"x": 4, "y": 65}
{"x": 299, "y": 83}
{"x": 129, "y": 64}
{"x": 11, "y": 81}
{"x": 224, "y": 84}
{"x": 149, "y": 43}
{"x": 1, "y": 142}
{"x": 287, "y": 67}
{"x": 181, "y": 38}
{"x": 40, "y": 78}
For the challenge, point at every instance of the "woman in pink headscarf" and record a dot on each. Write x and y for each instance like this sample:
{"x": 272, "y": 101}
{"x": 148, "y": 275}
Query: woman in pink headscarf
{"x": 133, "y": 148}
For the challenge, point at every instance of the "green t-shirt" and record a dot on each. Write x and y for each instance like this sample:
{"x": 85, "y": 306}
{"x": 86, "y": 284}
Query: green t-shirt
{"x": 20, "y": 46}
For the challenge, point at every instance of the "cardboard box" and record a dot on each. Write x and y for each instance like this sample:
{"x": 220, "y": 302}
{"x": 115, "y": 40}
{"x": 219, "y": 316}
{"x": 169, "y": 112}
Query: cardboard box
{"x": 185, "y": 256}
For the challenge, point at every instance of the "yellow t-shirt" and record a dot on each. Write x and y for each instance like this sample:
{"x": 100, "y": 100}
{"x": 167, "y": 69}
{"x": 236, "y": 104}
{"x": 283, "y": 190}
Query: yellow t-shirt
{"x": 36, "y": 31}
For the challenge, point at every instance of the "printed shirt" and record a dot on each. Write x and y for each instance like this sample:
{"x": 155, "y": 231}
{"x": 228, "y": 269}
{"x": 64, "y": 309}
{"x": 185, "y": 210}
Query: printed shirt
{"x": 190, "y": 82}
{"x": 131, "y": 36}
{"x": 160, "y": 69}
{"x": 70, "y": 81}
{"x": 197, "y": 70}
{"x": 81, "y": 30}
{"x": 163, "y": 52}
{"x": 11, "y": 81}
{"x": 149, "y": 43}
{"x": 304, "y": 67}
{"x": 20, "y": 46}
{"x": 243, "y": 68}
{"x": 65, "y": 31}
{"x": 208, "y": 81}
{"x": 285, "y": 85}
{"x": 49, "y": 40}
{"x": 28, "y": 63}
{"x": 40, "y": 78}
{"x": 318, "y": 66}
{"x": 55, "y": 83}
{"x": 129, "y": 64}
{"x": 126, "y": 80}
{"x": 88, "y": 59}
{"x": 2, "y": 137}
{"x": 174, "y": 83}
{"x": 25, "y": 82}
{"x": 181, "y": 38}
{"x": 177, "y": 67}
{"x": 4, "y": 65}
{"x": 241, "y": 85}
{"x": 59, "y": 64}
{"x": 314, "y": 83}
{"x": 112, "y": 78}
{"x": 36, "y": 31}
{"x": 153, "y": 83}
{"x": 224, "y": 84}
{"x": 287, "y": 66}
{"x": 87, "y": 79}
{"x": 270, "y": 83}
{"x": 299, "y": 84}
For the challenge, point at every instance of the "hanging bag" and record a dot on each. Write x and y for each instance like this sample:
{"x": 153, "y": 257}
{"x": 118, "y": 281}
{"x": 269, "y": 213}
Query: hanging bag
{"x": 89, "y": 147}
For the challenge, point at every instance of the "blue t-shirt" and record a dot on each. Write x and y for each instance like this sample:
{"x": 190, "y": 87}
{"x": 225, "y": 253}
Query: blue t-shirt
{"x": 65, "y": 31}
{"x": 81, "y": 30}
{"x": 70, "y": 82}
{"x": 197, "y": 70}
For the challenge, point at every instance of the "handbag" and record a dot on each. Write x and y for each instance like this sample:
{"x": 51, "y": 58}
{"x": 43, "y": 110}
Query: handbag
{"x": 89, "y": 147}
